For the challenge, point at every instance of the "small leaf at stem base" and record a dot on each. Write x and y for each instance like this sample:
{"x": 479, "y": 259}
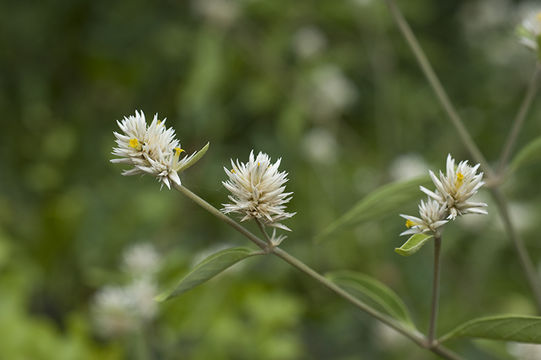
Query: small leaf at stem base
{"x": 413, "y": 244}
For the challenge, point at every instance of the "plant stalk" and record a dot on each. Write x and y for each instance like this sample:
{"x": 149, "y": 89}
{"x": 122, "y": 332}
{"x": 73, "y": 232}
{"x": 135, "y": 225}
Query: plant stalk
{"x": 524, "y": 258}
{"x": 438, "y": 89}
{"x": 435, "y": 291}
{"x": 519, "y": 118}
{"x": 411, "y": 334}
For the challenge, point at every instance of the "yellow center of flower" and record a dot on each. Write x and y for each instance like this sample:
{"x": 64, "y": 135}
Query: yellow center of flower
{"x": 178, "y": 151}
{"x": 538, "y": 16}
{"x": 410, "y": 223}
{"x": 233, "y": 171}
{"x": 134, "y": 143}
{"x": 459, "y": 178}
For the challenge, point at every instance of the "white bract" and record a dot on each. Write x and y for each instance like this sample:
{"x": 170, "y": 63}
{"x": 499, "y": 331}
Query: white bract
{"x": 530, "y": 30}
{"x": 432, "y": 217}
{"x": 456, "y": 187}
{"x": 151, "y": 149}
{"x": 257, "y": 190}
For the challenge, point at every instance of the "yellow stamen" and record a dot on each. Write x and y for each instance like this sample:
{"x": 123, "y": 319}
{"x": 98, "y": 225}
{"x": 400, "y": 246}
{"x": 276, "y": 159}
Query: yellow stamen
{"x": 233, "y": 171}
{"x": 459, "y": 178}
{"x": 410, "y": 223}
{"x": 538, "y": 16}
{"x": 134, "y": 143}
{"x": 258, "y": 164}
{"x": 178, "y": 151}
{"x": 159, "y": 122}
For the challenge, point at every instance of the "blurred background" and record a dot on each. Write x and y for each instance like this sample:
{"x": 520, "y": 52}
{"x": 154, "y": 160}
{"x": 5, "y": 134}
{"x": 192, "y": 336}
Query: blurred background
{"x": 329, "y": 86}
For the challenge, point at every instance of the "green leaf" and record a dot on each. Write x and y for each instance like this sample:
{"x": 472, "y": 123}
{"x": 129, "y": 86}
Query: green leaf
{"x": 207, "y": 269}
{"x": 382, "y": 201}
{"x": 506, "y": 328}
{"x": 368, "y": 289}
{"x": 527, "y": 155}
{"x": 195, "y": 158}
{"x": 413, "y": 244}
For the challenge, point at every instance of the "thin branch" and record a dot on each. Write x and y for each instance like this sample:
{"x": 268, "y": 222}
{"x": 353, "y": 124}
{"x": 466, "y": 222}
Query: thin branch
{"x": 264, "y": 232}
{"x": 437, "y": 87}
{"x": 519, "y": 118}
{"x": 411, "y": 334}
{"x": 525, "y": 260}
{"x": 211, "y": 209}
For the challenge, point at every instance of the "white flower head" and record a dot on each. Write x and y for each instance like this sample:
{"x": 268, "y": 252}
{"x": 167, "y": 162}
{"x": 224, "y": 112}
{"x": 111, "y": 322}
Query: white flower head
{"x": 151, "y": 149}
{"x": 220, "y": 13}
{"x": 120, "y": 310}
{"x": 529, "y": 31}
{"x": 330, "y": 92}
{"x": 407, "y": 166}
{"x": 432, "y": 216}
{"x": 113, "y": 311}
{"x": 456, "y": 187}
{"x": 308, "y": 42}
{"x": 142, "y": 292}
{"x": 141, "y": 260}
{"x": 257, "y": 190}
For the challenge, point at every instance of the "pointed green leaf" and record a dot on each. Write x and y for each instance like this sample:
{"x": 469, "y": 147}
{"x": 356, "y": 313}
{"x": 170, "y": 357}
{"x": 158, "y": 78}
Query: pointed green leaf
{"x": 207, "y": 269}
{"x": 382, "y": 201}
{"x": 372, "y": 291}
{"x": 413, "y": 244}
{"x": 527, "y": 155}
{"x": 195, "y": 158}
{"x": 506, "y": 328}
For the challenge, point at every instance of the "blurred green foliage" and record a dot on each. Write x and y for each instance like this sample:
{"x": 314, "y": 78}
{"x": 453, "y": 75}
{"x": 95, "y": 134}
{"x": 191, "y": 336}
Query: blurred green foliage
{"x": 329, "y": 86}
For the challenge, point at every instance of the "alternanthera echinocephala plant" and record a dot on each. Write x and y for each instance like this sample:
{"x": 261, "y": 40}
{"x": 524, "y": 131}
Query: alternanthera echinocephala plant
{"x": 258, "y": 193}
{"x": 451, "y": 198}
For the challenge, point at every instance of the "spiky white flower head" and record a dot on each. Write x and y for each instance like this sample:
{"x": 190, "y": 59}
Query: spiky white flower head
{"x": 151, "y": 149}
{"x": 141, "y": 260}
{"x": 432, "y": 216}
{"x": 456, "y": 187}
{"x": 530, "y": 30}
{"x": 112, "y": 311}
{"x": 257, "y": 190}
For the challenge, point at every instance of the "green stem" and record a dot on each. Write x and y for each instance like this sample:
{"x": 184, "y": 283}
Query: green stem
{"x": 211, "y": 209}
{"x": 437, "y": 87}
{"x": 411, "y": 334}
{"x": 519, "y": 118}
{"x": 435, "y": 291}
{"x": 525, "y": 260}
{"x": 262, "y": 229}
